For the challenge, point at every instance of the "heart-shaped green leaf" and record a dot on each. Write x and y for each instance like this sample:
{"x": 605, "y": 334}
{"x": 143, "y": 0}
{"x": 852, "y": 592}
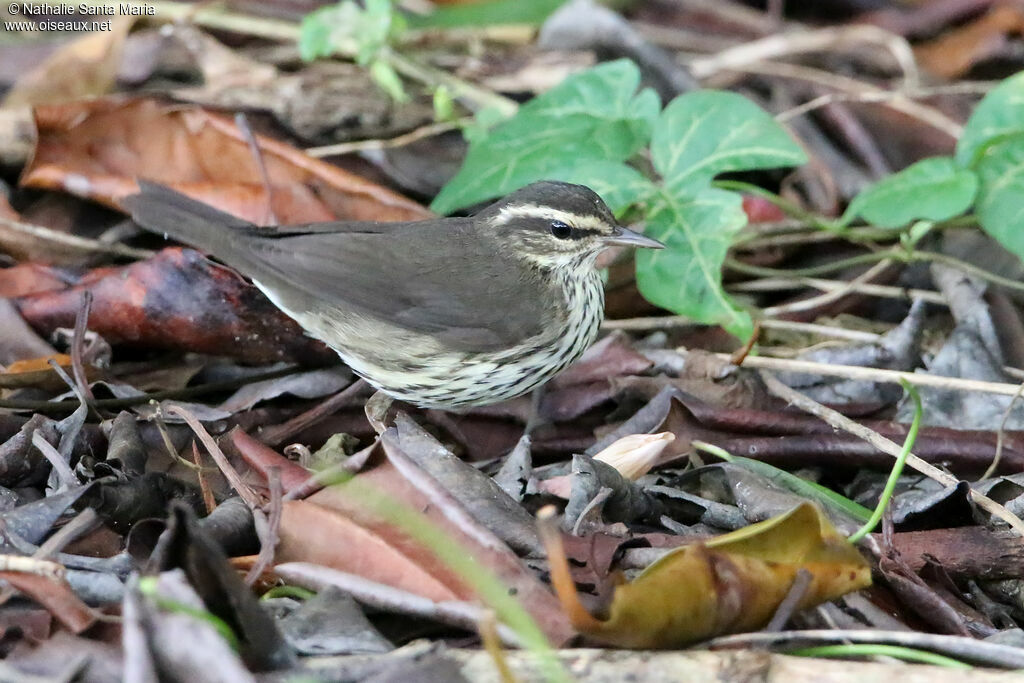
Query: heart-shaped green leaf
{"x": 705, "y": 133}
{"x": 932, "y": 189}
{"x": 596, "y": 115}
{"x": 999, "y": 114}
{"x": 686, "y": 276}
{"x": 1001, "y": 175}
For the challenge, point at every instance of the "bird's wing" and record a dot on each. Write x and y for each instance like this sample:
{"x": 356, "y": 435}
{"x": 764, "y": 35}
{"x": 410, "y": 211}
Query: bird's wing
{"x": 437, "y": 279}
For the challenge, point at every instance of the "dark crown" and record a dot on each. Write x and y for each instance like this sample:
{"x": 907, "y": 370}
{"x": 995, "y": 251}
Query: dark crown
{"x": 578, "y": 200}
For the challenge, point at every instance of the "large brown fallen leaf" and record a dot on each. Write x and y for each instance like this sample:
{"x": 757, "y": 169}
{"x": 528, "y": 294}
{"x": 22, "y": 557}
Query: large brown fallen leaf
{"x": 179, "y": 300}
{"x": 97, "y": 149}
{"x": 729, "y": 584}
{"x": 336, "y": 528}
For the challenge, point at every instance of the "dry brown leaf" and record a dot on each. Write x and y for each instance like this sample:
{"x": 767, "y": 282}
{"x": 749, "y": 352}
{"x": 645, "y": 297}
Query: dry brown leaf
{"x": 97, "y": 149}
{"x": 315, "y": 533}
{"x": 729, "y": 584}
{"x": 56, "y": 596}
{"x": 177, "y": 299}
{"x": 84, "y": 67}
{"x": 953, "y": 54}
{"x": 335, "y": 527}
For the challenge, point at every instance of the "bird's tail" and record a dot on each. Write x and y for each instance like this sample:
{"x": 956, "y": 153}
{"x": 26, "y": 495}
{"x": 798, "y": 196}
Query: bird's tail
{"x": 162, "y": 210}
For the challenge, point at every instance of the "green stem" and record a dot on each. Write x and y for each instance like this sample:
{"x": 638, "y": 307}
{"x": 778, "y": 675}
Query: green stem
{"x": 970, "y": 268}
{"x": 297, "y": 592}
{"x": 787, "y": 206}
{"x": 149, "y": 588}
{"x": 907, "y": 654}
{"x": 897, "y": 469}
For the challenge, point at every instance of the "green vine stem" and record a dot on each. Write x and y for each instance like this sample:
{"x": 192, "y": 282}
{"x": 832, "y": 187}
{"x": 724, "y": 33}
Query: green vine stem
{"x": 907, "y": 654}
{"x": 897, "y": 468}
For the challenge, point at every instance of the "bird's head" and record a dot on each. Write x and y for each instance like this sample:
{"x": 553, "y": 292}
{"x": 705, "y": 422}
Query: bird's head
{"x": 558, "y": 224}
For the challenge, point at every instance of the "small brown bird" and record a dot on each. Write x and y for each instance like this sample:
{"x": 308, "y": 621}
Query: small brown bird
{"x": 441, "y": 313}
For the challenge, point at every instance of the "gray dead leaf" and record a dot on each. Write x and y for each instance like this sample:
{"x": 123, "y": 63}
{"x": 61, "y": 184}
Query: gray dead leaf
{"x": 332, "y": 623}
{"x": 898, "y": 349}
{"x": 625, "y": 502}
{"x": 313, "y": 384}
{"x": 484, "y": 499}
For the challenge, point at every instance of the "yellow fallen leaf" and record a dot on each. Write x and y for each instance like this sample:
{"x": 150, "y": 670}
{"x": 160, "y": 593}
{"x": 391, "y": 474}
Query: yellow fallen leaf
{"x": 730, "y": 584}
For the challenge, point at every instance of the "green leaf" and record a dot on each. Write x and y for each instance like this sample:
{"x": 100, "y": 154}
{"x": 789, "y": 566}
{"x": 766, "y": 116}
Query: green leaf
{"x": 620, "y": 186}
{"x": 999, "y": 207}
{"x": 933, "y": 189}
{"x": 686, "y": 276}
{"x": 493, "y": 13}
{"x": 999, "y": 114}
{"x": 444, "y": 104}
{"x": 350, "y": 30}
{"x": 596, "y": 115}
{"x": 387, "y": 80}
{"x": 705, "y": 133}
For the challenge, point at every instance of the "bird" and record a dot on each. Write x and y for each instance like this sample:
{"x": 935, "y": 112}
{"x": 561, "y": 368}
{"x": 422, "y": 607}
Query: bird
{"x": 448, "y": 312}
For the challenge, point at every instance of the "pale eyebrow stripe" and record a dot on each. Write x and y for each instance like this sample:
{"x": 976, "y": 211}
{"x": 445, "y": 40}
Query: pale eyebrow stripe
{"x": 547, "y": 213}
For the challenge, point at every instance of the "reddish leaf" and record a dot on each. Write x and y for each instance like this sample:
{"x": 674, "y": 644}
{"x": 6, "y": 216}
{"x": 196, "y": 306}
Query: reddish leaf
{"x": 178, "y": 300}
{"x": 56, "y": 596}
{"x": 760, "y": 210}
{"x": 98, "y": 148}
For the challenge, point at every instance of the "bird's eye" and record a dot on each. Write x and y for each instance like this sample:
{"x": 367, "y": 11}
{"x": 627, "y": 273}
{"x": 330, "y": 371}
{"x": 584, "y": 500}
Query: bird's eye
{"x": 560, "y": 230}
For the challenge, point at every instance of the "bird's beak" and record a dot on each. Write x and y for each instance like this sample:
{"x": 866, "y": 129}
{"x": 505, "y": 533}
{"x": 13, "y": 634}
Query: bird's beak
{"x": 624, "y": 237}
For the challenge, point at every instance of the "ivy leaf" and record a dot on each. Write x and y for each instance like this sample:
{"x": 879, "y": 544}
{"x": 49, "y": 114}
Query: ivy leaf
{"x": 686, "y": 276}
{"x": 932, "y": 189}
{"x": 619, "y": 185}
{"x": 999, "y": 114}
{"x": 596, "y": 115}
{"x": 705, "y": 133}
{"x": 1001, "y": 176}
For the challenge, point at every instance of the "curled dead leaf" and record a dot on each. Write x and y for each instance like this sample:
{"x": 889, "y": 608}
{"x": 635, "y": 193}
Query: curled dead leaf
{"x": 729, "y": 584}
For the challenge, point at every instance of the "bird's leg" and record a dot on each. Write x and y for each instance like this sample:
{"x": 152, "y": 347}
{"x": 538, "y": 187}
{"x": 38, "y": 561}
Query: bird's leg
{"x": 376, "y": 409}
{"x": 534, "y": 419}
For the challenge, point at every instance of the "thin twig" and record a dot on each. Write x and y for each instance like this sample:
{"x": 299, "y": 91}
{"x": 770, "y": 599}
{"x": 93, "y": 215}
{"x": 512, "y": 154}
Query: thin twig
{"x": 833, "y": 81}
{"x": 840, "y": 421}
{"x": 268, "y": 531}
{"x": 1001, "y": 435}
{"x": 78, "y": 346}
{"x": 797, "y": 591}
{"x": 832, "y": 295}
{"x": 209, "y": 502}
{"x": 670, "y": 321}
{"x": 80, "y": 524}
{"x": 963, "y": 88}
{"x": 275, "y": 435}
{"x": 73, "y": 242}
{"x": 257, "y": 155}
{"x": 230, "y": 473}
{"x": 420, "y": 133}
{"x": 60, "y": 466}
{"x": 793, "y": 43}
{"x": 774, "y": 284}
{"x": 873, "y": 374}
